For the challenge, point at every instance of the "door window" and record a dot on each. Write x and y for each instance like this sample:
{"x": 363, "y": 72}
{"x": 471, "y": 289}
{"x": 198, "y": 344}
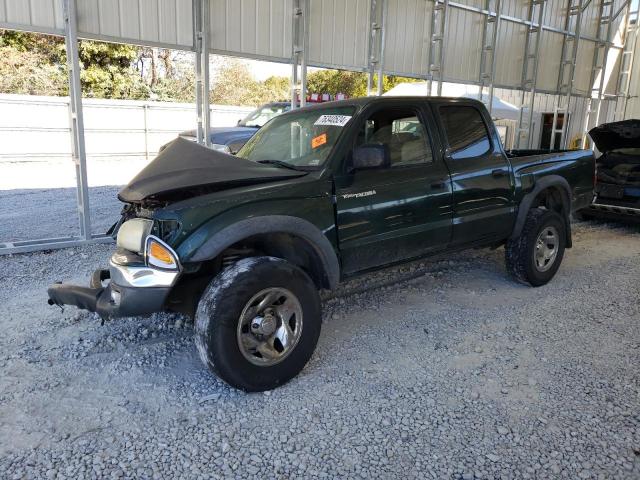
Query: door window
{"x": 466, "y": 131}
{"x": 404, "y": 134}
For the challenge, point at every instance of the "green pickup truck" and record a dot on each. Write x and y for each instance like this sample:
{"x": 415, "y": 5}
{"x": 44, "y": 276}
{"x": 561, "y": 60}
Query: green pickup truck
{"x": 244, "y": 243}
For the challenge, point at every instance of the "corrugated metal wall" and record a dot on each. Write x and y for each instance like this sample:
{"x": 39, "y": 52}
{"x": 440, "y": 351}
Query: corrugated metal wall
{"x": 633, "y": 105}
{"x": 37, "y": 15}
{"x": 338, "y": 33}
{"x": 253, "y": 28}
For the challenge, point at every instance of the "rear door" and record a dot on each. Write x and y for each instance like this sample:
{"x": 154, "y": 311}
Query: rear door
{"x": 390, "y": 214}
{"x": 483, "y": 188}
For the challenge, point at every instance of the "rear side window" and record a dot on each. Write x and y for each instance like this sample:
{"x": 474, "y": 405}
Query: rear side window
{"x": 466, "y": 131}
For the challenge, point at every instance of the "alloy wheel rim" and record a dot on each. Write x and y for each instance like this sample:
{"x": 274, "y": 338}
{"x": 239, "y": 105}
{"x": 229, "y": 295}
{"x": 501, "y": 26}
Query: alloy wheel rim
{"x": 546, "y": 248}
{"x": 270, "y": 326}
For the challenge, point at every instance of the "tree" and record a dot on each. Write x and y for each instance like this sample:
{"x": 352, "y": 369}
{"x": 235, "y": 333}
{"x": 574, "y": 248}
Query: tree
{"x": 233, "y": 84}
{"x": 352, "y": 84}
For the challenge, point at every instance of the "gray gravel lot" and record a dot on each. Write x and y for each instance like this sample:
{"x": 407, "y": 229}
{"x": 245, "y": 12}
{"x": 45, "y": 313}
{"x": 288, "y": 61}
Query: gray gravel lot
{"x": 438, "y": 369}
{"x": 30, "y": 214}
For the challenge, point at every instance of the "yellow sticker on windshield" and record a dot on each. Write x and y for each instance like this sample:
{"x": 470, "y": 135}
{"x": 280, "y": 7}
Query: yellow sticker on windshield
{"x": 319, "y": 140}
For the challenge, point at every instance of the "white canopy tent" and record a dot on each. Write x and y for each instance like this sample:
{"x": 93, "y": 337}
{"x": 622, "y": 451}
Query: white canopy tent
{"x": 500, "y": 110}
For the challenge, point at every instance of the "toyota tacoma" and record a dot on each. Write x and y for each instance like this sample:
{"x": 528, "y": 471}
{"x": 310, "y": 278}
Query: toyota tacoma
{"x": 244, "y": 243}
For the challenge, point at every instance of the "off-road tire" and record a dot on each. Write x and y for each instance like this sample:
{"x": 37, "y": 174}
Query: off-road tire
{"x": 519, "y": 251}
{"x": 220, "y": 309}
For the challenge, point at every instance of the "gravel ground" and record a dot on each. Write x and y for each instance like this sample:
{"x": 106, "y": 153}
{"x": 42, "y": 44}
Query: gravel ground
{"x": 437, "y": 369}
{"x": 29, "y": 214}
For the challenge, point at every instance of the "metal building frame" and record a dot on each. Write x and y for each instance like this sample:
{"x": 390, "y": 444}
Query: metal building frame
{"x": 605, "y": 19}
{"x": 374, "y": 65}
{"x": 488, "y": 53}
{"x": 437, "y": 45}
{"x": 529, "y": 75}
{"x": 626, "y": 62}
{"x": 299, "y": 52}
{"x": 566, "y": 73}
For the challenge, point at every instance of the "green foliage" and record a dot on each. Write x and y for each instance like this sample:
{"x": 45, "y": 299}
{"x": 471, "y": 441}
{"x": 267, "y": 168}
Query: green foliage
{"x": 28, "y": 73}
{"x": 352, "y": 84}
{"x": 234, "y": 85}
{"x": 36, "y": 64}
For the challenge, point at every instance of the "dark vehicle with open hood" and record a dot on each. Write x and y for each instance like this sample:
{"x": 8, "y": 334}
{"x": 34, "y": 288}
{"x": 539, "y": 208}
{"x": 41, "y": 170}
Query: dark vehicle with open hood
{"x": 617, "y": 172}
{"x": 244, "y": 244}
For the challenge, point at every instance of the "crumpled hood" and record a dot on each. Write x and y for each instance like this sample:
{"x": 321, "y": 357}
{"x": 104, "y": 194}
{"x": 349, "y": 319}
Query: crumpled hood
{"x": 611, "y": 136}
{"x": 185, "y": 165}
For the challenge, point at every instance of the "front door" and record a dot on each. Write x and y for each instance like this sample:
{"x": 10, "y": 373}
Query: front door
{"x": 483, "y": 189}
{"x": 404, "y": 210}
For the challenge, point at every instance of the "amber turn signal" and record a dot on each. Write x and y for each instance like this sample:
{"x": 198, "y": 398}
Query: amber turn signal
{"x": 160, "y": 255}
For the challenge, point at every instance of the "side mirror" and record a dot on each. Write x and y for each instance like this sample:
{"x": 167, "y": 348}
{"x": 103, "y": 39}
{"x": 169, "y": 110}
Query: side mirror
{"x": 371, "y": 156}
{"x": 239, "y": 122}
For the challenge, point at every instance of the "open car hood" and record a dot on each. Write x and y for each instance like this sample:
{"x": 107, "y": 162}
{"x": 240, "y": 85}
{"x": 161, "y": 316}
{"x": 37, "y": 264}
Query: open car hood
{"x": 186, "y": 166}
{"x": 611, "y": 136}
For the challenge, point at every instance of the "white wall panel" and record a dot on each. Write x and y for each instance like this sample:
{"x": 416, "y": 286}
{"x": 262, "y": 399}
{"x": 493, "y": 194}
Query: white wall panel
{"x": 463, "y": 45}
{"x": 407, "y": 37}
{"x": 549, "y": 60}
{"x": 339, "y": 32}
{"x": 255, "y": 28}
{"x": 166, "y": 22}
{"x": 34, "y": 15}
{"x": 510, "y": 53}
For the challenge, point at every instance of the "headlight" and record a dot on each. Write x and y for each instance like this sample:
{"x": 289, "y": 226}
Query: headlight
{"x": 161, "y": 255}
{"x": 220, "y": 148}
{"x": 132, "y": 234}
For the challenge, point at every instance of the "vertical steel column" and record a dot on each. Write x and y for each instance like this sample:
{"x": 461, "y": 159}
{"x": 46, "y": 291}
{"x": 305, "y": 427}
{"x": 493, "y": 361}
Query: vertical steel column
{"x": 76, "y": 118}
{"x": 375, "y": 48}
{"x": 489, "y": 45}
{"x": 383, "y": 25}
{"x": 204, "y": 59}
{"x": 530, "y": 73}
{"x": 197, "y": 47}
{"x": 565, "y": 87}
{"x": 599, "y": 67}
{"x": 437, "y": 45}
{"x": 626, "y": 62}
{"x": 372, "y": 56}
{"x": 299, "y": 52}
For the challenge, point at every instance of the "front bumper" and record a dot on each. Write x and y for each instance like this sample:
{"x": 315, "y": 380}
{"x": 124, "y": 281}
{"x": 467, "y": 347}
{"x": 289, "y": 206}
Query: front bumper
{"x": 132, "y": 289}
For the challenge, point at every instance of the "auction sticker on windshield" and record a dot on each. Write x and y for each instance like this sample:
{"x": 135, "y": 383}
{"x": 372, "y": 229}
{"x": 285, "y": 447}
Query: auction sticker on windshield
{"x": 333, "y": 120}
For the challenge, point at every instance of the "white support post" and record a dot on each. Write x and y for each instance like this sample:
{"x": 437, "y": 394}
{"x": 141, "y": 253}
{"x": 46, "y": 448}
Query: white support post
{"x": 530, "y": 73}
{"x": 488, "y": 53}
{"x": 598, "y": 68}
{"x": 383, "y": 23}
{"x": 76, "y": 117}
{"x": 299, "y": 52}
{"x": 204, "y": 59}
{"x": 437, "y": 45}
{"x": 566, "y": 74}
{"x": 627, "y": 61}
{"x": 372, "y": 53}
{"x": 201, "y": 47}
{"x": 197, "y": 47}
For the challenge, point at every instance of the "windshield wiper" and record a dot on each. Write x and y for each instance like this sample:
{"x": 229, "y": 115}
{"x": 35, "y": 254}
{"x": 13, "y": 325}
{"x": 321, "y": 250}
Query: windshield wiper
{"x": 280, "y": 163}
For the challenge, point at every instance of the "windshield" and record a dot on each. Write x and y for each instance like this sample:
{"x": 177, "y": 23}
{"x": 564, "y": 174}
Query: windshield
{"x": 302, "y": 139}
{"x": 262, "y": 115}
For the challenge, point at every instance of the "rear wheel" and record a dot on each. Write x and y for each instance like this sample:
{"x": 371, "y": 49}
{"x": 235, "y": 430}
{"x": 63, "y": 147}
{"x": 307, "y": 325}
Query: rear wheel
{"x": 258, "y": 322}
{"x": 535, "y": 256}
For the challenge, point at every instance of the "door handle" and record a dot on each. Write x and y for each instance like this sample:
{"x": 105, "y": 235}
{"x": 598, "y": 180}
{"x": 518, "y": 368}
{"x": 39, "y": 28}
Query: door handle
{"x": 438, "y": 185}
{"x": 498, "y": 172}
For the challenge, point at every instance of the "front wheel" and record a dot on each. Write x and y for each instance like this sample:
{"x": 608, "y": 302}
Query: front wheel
{"x": 258, "y": 323}
{"x": 535, "y": 256}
